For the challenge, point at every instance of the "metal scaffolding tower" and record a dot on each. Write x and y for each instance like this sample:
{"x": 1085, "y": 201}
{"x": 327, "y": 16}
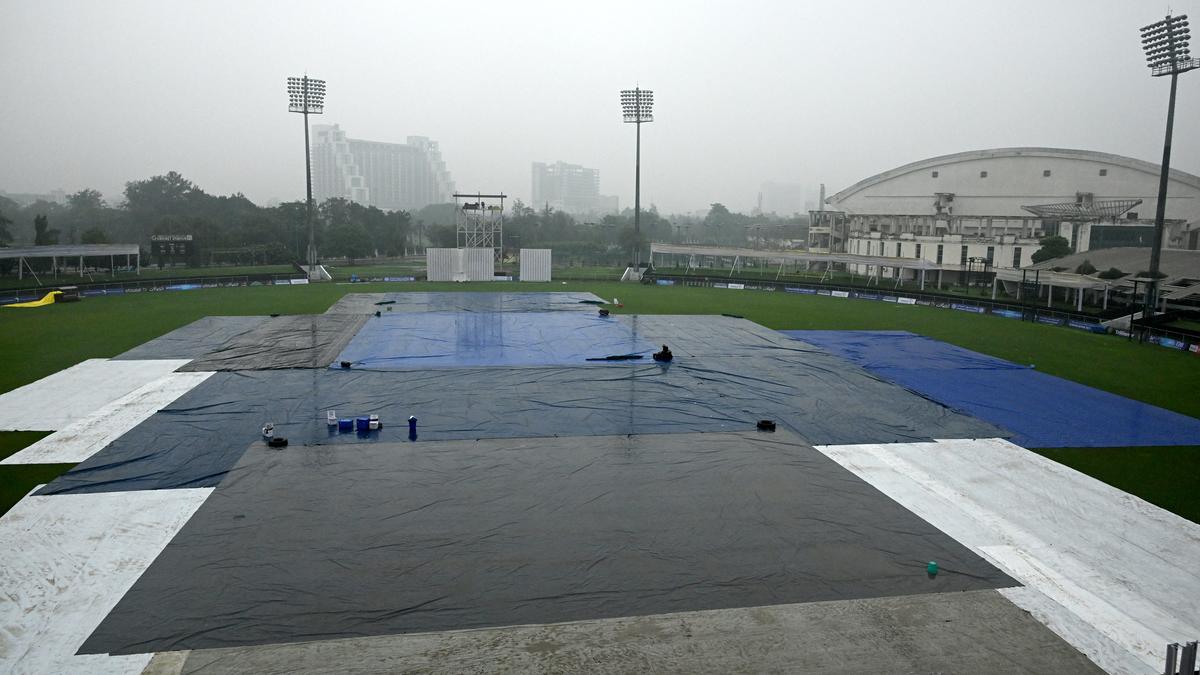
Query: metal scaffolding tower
{"x": 480, "y": 222}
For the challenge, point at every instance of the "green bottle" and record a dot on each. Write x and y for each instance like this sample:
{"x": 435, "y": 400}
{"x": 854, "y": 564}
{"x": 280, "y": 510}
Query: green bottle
{"x": 931, "y": 568}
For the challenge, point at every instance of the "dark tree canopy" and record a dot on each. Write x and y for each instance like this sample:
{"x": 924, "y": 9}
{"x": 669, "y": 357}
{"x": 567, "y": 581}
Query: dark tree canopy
{"x": 1053, "y": 246}
{"x": 5, "y": 235}
{"x": 94, "y": 235}
{"x": 43, "y": 235}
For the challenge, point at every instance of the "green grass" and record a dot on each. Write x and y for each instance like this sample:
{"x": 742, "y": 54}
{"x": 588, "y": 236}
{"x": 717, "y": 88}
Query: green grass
{"x": 38, "y": 342}
{"x": 1164, "y": 476}
{"x": 17, "y": 480}
{"x": 13, "y": 441}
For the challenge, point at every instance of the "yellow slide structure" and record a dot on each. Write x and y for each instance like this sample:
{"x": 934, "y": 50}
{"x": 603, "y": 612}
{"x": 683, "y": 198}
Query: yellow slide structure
{"x": 47, "y": 300}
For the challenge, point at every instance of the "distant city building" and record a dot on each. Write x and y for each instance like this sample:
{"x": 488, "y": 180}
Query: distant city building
{"x": 571, "y": 188}
{"x": 27, "y": 199}
{"x": 996, "y": 205}
{"x": 389, "y": 176}
{"x": 782, "y": 199}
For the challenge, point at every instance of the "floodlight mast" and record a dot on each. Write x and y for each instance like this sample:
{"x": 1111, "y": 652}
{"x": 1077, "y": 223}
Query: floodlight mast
{"x": 637, "y": 106}
{"x": 1166, "y": 45}
{"x": 307, "y": 96}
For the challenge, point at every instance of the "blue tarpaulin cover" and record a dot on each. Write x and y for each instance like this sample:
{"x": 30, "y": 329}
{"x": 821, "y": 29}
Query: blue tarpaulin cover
{"x": 411, "y": 340}
{"x": 464, "y": 301}
{"x": 1042, "y": 411}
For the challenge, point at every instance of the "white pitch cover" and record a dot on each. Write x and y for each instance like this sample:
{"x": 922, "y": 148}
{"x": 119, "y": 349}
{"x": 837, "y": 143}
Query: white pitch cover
{"x": 65, "y": 562}
{"x": 81, "y": 439}
{"x": 535, "y": 264}
{"x": 67, "y": 396}
{"x": 1110, "y": 573}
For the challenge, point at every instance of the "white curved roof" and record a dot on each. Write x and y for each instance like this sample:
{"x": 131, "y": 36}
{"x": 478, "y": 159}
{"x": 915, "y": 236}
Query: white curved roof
{"x": 996, "y": 153}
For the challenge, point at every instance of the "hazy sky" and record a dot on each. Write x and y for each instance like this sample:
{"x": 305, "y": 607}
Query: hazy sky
{"x": 95, "y": 93}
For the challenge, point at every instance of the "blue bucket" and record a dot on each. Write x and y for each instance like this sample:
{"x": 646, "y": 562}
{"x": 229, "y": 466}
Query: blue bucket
{"x": 345, "y": 424}
{"x": 363, "y": 423}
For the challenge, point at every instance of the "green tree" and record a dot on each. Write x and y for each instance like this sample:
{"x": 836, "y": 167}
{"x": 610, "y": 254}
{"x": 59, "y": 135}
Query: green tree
{"x": 390, "y": 232}
{"x": 439, "y": 214}
{"x": 148, "y": 202}
{"x": 630, "y": 240}
{"x": 724, "y": 226}
{"x": 349, "y": 240}
{"x": 170, "y": 194}
{"x": 5, "y": 236}
{"x": 86, "y": 200}
{"x": 94, "y": 235}
{"x": 1086, "y": 267}
{"x": 293, "y": 222}
{"x": 1053, "y": 246}
{"x": 442, "y": 236}
{"x": 42, "y": 234}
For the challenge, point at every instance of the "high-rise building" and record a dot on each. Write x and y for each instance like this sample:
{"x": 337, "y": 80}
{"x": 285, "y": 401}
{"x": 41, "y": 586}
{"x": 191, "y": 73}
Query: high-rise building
{"x": 390, "y": 176}
{"x": 571, "y": 188}
{"x": 782, "y": 199}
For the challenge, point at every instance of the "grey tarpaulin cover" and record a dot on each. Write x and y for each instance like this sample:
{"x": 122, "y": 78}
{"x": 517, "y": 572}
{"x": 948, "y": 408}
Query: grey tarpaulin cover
{"x": 727, "y": 374}
{"x": 343, "y": 541}
{"x": 303, "y": 341}
{"x": 194, "y": 340}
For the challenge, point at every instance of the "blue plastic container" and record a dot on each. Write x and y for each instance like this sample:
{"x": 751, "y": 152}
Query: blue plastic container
{"x": 345, "y": 424}
{"x": 362, "y": 423}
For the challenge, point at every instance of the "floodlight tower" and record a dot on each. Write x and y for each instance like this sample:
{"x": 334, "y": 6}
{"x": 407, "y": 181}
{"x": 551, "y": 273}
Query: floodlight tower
{"x": 1166, "y": 45}
{"x": 307, "y": 96}
{"x": 637, "y": 106}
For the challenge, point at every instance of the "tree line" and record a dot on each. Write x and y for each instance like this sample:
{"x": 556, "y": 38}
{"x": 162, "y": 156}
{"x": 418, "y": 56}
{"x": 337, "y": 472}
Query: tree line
{"x": 232, "y": 229}
{"x": 225, "y": 228}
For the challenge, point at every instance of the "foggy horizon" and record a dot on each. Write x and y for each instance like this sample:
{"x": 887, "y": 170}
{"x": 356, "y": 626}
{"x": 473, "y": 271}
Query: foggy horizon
{"x": 96, "y": 95}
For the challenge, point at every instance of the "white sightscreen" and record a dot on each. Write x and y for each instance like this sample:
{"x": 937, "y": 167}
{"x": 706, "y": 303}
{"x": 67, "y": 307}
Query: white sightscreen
{"x": 440, "y": 263}
{"x": 460, "y": 264}
{"x": 478, "y": 264}
{"x": 535, "y": 264}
